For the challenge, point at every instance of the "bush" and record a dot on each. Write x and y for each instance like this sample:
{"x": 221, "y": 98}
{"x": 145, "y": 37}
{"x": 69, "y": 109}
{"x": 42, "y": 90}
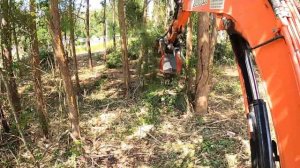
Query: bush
{"x": 134, "y": 49}
{"x": 223, "y": 54}
{"x": 114, "y": 59}
{"x": 47, "y": 58}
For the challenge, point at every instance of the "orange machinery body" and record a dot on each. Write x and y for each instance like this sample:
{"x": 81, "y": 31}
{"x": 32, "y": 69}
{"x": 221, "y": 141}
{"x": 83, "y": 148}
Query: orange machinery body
{"x": 278, "y": 63}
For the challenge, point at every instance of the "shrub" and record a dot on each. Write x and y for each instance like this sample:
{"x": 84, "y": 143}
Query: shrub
{"x": 47, "y": 58}
{"x": 114, "y": 59}
{"x": 134, "y": 49}
{"x": 223, "y": 53}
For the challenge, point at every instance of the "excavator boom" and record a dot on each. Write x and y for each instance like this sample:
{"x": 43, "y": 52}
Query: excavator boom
{"x": 269, "y": 32}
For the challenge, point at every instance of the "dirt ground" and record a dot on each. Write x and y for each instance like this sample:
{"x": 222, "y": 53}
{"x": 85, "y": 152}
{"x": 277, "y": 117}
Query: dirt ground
{"x": 151, "y": 129}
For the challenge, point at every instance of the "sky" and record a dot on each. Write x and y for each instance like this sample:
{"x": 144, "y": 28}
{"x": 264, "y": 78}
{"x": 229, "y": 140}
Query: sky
{"x": 95, "y": 4}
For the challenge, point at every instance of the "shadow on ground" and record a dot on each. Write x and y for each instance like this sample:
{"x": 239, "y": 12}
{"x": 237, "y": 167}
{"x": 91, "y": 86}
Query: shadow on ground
{"x": 152, "y": 129}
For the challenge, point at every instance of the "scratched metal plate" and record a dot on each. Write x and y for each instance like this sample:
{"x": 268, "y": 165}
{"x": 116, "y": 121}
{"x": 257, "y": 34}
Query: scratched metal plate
{"x": 199, "y": 2}
{"x": 216, "y": 4}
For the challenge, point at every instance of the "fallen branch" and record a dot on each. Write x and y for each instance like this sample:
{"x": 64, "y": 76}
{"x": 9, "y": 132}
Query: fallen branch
{"x": 215, "y": 122}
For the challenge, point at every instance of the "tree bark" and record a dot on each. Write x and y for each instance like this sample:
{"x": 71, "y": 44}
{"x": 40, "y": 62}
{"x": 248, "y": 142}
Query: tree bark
{"x": 87, "y": 29}
{"x": 7, "y": 55}
{"x": 54, "y": 24}
{"x": 142, "y": 62}
{"x": 16, "y": 41}
{"x": 3, "y": 120}
{"x": 35, "y": 58}
{"x": 123, "y": 32}
{"x": 114, "y": 23}
{"x": 205, "y": 54}
{"x": 104, "y": 26}
{"x": 189, "y": 52}
{"x": 15, "y": 38}
{"x": 72, "y": 42}
{"x": 5, "y": 78}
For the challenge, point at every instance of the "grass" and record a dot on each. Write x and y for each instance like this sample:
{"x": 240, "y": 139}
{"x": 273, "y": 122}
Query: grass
{"x": 82, "y": 49}
{"x": 152, "y": 130}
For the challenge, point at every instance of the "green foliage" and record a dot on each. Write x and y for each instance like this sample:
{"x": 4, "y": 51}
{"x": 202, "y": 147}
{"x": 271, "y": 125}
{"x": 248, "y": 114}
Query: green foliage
{"x": 114, "y": 59}
{"x": 47, "y": 59}
{"x": 223, "y": 53}
{"x": 26, "y": 118}
{"x": 134, "y": 14}
{"x": 134, "y": 49}
{"x": 75, "y": 149}
{"x": 158, "y": 100}
{"x": 96, "y": 23}
{"x": 113, "y": 28}
{"x": 214, "y": 151}
{"x": 227, "y": 87}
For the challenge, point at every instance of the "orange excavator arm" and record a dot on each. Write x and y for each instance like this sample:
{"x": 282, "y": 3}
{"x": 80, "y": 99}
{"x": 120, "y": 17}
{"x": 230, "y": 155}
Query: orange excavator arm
{"x": 265, "y": 35}
{"x": 180, "y": 19}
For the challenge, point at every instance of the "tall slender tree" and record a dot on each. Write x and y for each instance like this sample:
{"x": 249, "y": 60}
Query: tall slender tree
{"x": 87, "y": 30}
{"x": 205, "y": 49}
{"x": 6, "y": 44}
{"x": 114, "y": 22}
{"x": 14, "y": 27}
{"x": 189, "y": 52}
{"x": 123, "y": 32}
{"x": 54, "y": 24}
{"x": 36, "y": 72}
{"x": 3, "y": 120}
{"x": 72, "y": 43}
{"x": 143, "y": 52}
{"x": 16, "y": 41}
{"x": 104, "y": 27}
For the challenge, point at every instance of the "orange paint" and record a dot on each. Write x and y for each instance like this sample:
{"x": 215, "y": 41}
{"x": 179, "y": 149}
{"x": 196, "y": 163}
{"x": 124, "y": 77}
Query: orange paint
{"x": 277, "y": 61}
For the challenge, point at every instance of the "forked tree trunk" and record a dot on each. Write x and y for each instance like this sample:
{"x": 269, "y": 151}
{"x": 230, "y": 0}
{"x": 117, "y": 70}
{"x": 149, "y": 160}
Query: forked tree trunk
{"x": 206, "y": 42}
{"x": 36, "y": 72}
{"x": 72, "y": 42}
{"x": 54, "y": 24}
{"x": 87, "y": 29}
{"x": 7, "y": 55}
{"x": 123, "y": 32}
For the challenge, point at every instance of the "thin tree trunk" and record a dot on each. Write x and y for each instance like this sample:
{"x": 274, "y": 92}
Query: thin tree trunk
{"x": 54, "y": 24}
{"x": 104, "y": 25}
{"x": 143, "y": 52}
{"x": 87, "y": 29}
{"x": 66, "y": 46}
{"x": 213, "y": 38}
{"x": 40, "y": 102}
{"x": 3, "y": 120}
{"x": 189, "y": 52}
{"x": 5, "y": 78}
{"x": 204, "y": 52}
{"x": 7, "y": 55}
{"x": 16, "y": 41}
{"x": 123, "y": 32}
{"x": 72, "y": 42}
{"x": 12, "y": 4}
{"x": 114, "y": 23}
{"x": 19, "y": 72}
